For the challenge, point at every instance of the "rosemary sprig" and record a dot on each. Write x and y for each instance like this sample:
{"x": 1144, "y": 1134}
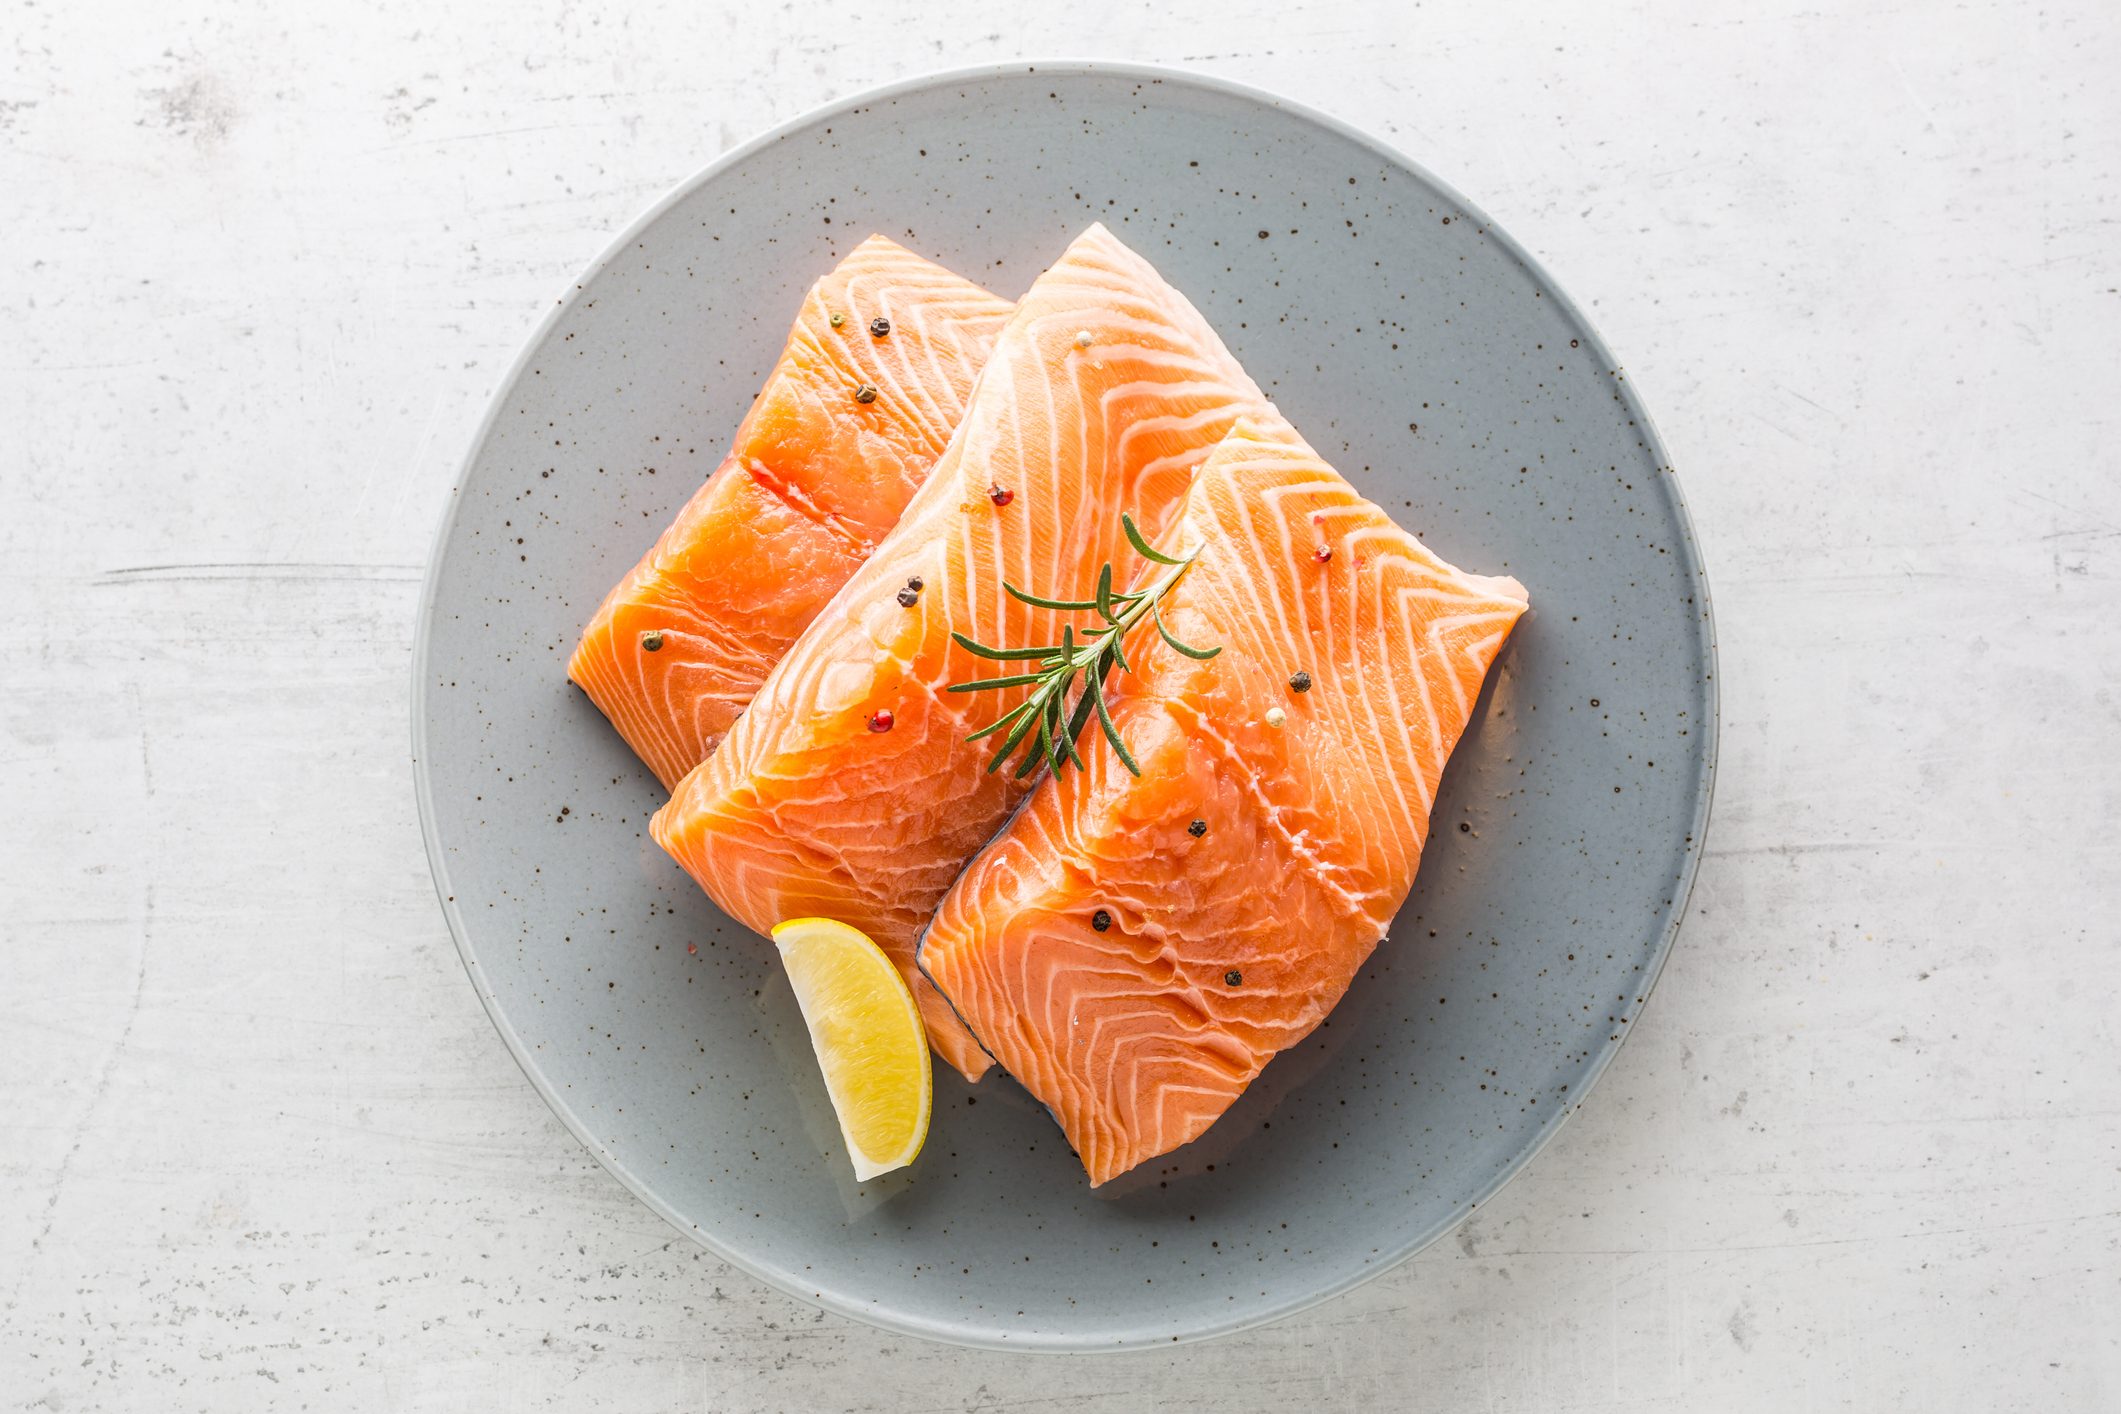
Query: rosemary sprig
{"x": 1046, "y": 718}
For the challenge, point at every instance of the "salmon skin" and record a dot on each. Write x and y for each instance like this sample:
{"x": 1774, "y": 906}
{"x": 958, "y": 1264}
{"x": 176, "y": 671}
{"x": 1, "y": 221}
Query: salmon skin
{"x": 1249, "y": 871}
{"x": 848, "y": 789}
{"x": 817, "y": 475}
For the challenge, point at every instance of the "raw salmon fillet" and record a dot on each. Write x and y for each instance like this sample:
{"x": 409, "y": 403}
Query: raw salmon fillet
{"x": 1104, "y": 393}
{"x": 1225, "y": 947}
{"x": 813, "y": 482}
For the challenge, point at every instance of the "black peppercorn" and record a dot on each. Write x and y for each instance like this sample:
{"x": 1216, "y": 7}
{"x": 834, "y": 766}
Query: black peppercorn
{"x": 879, "y": 326}
{"x": 1197, "y": 828}
{"x": 1234, "y": 977}
{"x": 865, "y": 394}
{"x": 1301, "y": 682}
{"x": 652, "y": 641}
{"x": 909, "y": 596}
{"x": 914, "y": 584}
{"x": 1101, "y": 920}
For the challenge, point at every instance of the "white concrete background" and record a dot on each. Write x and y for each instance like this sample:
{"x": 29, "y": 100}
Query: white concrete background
{"x": 260, "y": 1148}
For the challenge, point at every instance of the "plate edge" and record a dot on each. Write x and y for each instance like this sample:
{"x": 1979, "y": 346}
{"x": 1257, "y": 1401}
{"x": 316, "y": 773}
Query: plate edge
{"x": 438, "y": 870}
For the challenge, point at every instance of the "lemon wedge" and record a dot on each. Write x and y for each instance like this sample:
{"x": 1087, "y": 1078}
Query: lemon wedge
{"x": 868, "y": 1037}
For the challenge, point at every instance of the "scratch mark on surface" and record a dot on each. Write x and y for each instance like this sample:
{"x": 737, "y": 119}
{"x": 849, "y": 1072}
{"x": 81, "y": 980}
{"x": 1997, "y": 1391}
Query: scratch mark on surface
{"x": 1833, "y": 847}
{"x": 1810, "y": 402}
{"x": 102, "y": 1085}
{"x": 2076, "y": 512}
{"x": 448, "y": 138}
{"x": 125, "y": 1032}
{"x": 414, "y": 469}
{"x": 147, "y": 763}
{"x": 1929, "y": 116}
{"x": 39, "y": 366}
{"x": 259, "y": 569}
{"x": 1978, "y": 1230}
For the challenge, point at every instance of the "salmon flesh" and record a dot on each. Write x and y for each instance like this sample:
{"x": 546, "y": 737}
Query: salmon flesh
{"x": 1135, "y": 949}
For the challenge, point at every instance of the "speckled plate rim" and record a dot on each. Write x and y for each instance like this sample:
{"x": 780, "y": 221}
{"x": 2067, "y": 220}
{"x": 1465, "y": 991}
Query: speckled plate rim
{"x": 1705, "y": 631}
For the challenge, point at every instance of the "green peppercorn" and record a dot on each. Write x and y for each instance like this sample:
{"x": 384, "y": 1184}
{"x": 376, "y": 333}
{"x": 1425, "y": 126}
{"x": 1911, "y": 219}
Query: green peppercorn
{"x": 836, "y": 319}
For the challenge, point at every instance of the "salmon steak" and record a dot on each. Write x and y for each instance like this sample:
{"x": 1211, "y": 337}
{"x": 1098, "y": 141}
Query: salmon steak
{"x": 874, "y": 378}
{"x": 848, "y": 789}
{"x": 1134, "y": 949}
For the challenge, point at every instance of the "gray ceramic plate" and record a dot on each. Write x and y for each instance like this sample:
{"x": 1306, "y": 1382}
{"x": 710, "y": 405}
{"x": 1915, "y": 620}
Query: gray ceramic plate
{"x": 1415, "y": 345}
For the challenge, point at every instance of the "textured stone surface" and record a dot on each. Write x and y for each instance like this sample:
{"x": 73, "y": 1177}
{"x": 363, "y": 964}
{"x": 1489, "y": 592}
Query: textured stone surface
{"x": 260, "y": 1146}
